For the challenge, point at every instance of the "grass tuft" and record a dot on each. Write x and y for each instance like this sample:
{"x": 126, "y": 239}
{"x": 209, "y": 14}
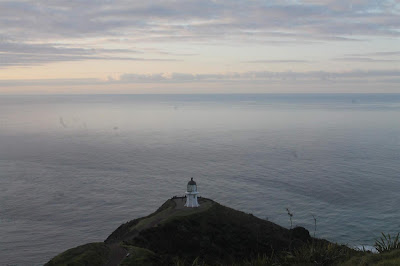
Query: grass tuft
{"x": 386, "y": 243}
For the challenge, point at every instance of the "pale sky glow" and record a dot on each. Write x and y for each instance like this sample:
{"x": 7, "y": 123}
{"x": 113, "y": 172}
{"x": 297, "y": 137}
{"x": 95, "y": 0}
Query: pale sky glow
{"x": 185, "y": 46}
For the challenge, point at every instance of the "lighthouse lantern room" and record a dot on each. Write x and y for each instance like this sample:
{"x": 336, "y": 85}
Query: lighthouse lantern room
{"x": 191, "y": 194}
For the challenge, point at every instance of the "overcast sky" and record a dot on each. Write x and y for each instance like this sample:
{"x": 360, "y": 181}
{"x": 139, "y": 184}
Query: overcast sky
{"x": 184, "y": 46}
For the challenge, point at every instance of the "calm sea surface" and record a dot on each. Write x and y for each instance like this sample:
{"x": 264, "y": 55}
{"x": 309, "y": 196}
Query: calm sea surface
{"x": 73, "y": 168}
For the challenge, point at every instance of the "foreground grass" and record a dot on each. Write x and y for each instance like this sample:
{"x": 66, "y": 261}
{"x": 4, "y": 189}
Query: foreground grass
{"x": 140, "y": 256}
{"x": 316, "y": 253}
{"x": 89, "y": 254}
{"x": 312, "y": 254}
{"x": 381, "y": 259}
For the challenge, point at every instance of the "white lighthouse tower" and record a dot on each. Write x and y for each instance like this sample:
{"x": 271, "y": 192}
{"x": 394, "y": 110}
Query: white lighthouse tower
{"x": 191, "y": 194}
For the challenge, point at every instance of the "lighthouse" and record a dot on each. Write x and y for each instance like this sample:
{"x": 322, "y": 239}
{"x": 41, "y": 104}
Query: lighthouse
{"x": 191, "y": 194}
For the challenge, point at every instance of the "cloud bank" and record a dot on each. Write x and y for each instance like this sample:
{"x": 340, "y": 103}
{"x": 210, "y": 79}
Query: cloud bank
{"x": 40, "y": 31}
{"x": 254, "y": 76}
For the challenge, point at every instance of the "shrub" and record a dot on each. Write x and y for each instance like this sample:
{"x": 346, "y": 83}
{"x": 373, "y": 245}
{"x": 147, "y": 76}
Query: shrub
{"x": 318, "y": 254}
{"x": 386, "y": 243}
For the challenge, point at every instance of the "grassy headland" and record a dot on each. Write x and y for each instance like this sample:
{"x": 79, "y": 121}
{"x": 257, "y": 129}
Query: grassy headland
{"x": 213, "y": 235}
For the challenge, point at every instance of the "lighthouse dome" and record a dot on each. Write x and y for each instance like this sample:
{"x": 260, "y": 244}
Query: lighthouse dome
{"x": 191, "y": 182}
{"x": 191, "y": 186}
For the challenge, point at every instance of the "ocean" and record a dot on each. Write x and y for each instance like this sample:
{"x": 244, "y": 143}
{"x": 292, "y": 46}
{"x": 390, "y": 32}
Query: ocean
{"x": 75, "y": 167}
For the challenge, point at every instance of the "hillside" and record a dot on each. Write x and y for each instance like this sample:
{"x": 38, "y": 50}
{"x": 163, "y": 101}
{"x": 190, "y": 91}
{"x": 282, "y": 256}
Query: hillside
{"x": 211, "y": 234}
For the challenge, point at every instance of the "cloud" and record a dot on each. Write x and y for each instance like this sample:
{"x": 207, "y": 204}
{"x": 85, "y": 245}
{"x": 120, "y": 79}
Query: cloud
{"x": 132, "y": 77}
{"x": 48, "y": 82}
{"x": 365, "y": 59}
{"x": 15, "y": 54}
{"x": 31, "y": 29}
{"x": 277, "y": 61}
{"x": 380, "y": 54}
{"x": 359, "y": 76}
{"x": 197, "y": 19}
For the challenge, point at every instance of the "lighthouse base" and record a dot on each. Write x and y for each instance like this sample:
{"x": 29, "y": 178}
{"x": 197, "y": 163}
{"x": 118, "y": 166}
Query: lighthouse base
{"x": 191, "y": 200}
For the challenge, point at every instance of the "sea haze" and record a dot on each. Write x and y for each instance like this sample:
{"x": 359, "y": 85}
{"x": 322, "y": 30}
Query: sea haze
{"x": 73, "y": 168}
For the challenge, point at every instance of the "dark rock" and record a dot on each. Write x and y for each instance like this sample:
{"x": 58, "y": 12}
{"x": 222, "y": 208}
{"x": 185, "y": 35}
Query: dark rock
{"x": 301, "y": 233}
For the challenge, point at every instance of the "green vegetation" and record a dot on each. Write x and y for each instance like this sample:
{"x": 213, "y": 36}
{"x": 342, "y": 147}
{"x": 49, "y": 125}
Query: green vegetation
{"x": 387, "y": 243}
{"x": 217, "y": 235}
{"x": 140, "y": 256}
{"x": 320, "y": 254}
{"x": 389, "y": 253}
{"x": 166, "y": 212}
{"x": 391, "y": 258}
{"x": 89, "y": 254}
{"x": 312, "y": 254}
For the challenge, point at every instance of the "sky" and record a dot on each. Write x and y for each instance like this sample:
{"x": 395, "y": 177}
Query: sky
{"x": 185, "y": 46}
